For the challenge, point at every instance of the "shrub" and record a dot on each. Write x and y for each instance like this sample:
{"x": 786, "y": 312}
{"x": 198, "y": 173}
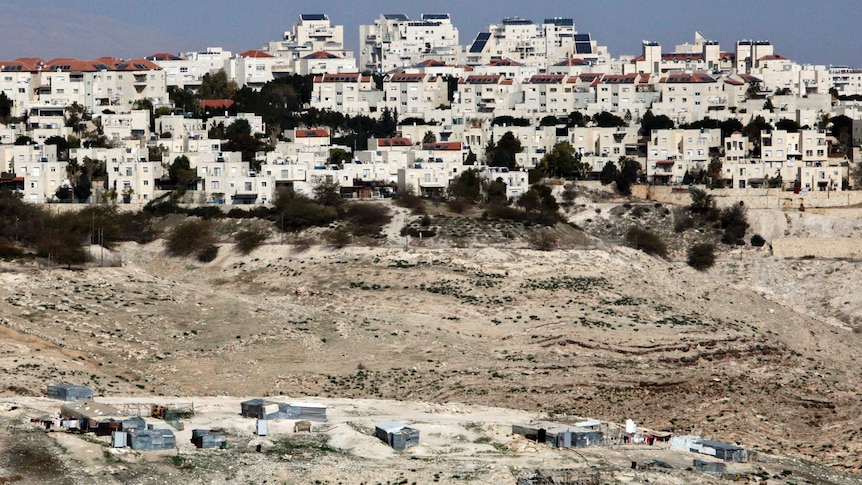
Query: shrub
{"x": 247, "y": 240}
{"x": 682, "y": 221}
{"x": 206, "y": 212}
{"x": 458, "y": 206}
{"x": 701, "y": 256}
{"x": 757, "y": 240}
{"x": 9, "y": 250}
{"x": 207, "y": 254}
{"x": 191, "y": 237}
{"x": 734, "y": 221}
{"x": 366, "y": 219}
{"x": 338, "y": 237}
{"x": 543, "y": 240}
{"x": 646, "y": 241}
{"x": 412, "y": 202}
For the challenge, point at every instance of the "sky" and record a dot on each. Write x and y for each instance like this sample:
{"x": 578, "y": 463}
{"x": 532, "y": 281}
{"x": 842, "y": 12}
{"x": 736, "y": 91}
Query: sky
{"x": 805, "y": 31}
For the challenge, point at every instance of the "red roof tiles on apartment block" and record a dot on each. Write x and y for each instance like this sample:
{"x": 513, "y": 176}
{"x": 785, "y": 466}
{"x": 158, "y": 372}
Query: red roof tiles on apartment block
{"x": 571, "y": 62}
{"x": 665, "y": 162}
{"x": 774, "y": 57}
{"x": 505, "y": 62}
{"x": 164, "y": 56}
{"x": 406, "y": 78}
{"x": 321, "y": 55}
{"x": 312, "y": 134}
{"x": 688, "y": 78}
{"x": 216, "y": 103}
{"x": 348, "y": 77}
{"x": 483, "y": 79}
{"x": 431, "y": 63}
{"x": 454, "y": 146}
{"x": 255, "y": 54}
{"x": 394, "y": 142}
{"x": 546, "y": 79}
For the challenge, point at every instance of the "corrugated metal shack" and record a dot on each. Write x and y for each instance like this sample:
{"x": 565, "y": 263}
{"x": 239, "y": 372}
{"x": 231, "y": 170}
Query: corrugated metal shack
{"x": 70, "y": 392}
{"x": 265, "y": 409}
{"x": 559, "y": 435}
{"x": 397, "y": 435}
{"x": 209, "y": 438}
{"x": 307, "y": 411}
{"x": 89, "y": 414}
{"x": 152, "y": 440}
{"x": 106, "y": 428}
{"x": 722, "y": 451}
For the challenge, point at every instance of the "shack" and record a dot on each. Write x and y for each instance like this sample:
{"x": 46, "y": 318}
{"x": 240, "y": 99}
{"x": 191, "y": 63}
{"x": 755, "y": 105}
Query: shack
{"x": 263, "y": 409}
{"x": 397, "y": 435}
{"x": 152, "y": 440}
{"x": 307, "y": 411}
{"x": 70, "y": 392}
{"x": 559, "y": 435}
{"x": 722, "y": 451}
{"x": 86, "y": 415}
{"x": 111, "y": 425}
{"x": 209, "y": 438}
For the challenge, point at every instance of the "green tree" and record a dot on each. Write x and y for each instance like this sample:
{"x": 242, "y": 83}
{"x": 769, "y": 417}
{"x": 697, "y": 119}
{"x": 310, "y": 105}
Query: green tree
{"x": 471, "y": 158}
{"x": 715, "y": 171}
{"x": 338, "y": 156}
{"x": 387, "y": 124}
{"x": 496, "y": 192}
{"x": 610, "y": 172}
{"x": 753, "y": 90}
{"x": 650, "y": 122}
{"x": 701, "y": 201}
{"x": 788, "y": 125}
{"x": 548, "y": 121}
{"x": 328, "y": 193}
{"x": 608, "y": 120}
{"x": 467, "y": 185}
{"x": 701, "y": 256}
{"x": 629, "y": 173}
{"x": 62, "y": 146}
{"x": 429, "y": 137}
{"x": 6, "y": 105}
{"x": 530, "y": 201}
{"x": 564, "y": 162}
{"x": 216, "y": 86}
{"x": 181, "y": 174}
{"x": 504, "y": 151}
{"x": 23, "y": 140}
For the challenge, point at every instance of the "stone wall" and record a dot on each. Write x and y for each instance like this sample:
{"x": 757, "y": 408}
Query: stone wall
{"x": 752, "y": 198}
{"x": 827, "y": 248}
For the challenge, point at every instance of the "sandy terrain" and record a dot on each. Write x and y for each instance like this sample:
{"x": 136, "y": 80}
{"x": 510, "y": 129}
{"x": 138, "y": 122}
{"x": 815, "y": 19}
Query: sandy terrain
{"x": 756, "y": 351}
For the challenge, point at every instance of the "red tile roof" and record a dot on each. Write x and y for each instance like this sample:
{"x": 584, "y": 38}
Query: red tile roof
{"x": 572, "y": 61}
{"x": 348, "y": 77}
{"x": 773, "y": 57}
{"x": 547, "y": 79}
{"x": 406, "y": 78}
{"x": 431, "y": 63}
{"x": 216, "y": 103}
{"x": 698, "y": 77}
{"x": 164, "y": 56}
{"x": 484, "y": 79}
{"x": 394, "y": 142}
{"x": 312, "y": 134}
{"x": 255, "y": 54}
{"x": 321, "y": 55}
{"x": 505, "y": 62}
{"x": 443, "y": 146}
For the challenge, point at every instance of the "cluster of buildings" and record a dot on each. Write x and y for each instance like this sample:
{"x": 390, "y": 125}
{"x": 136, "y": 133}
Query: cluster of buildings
{"x": 450, "y": 93}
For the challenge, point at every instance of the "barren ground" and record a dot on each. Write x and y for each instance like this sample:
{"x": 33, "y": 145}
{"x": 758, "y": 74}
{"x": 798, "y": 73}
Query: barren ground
{"x": 756, "y": 351}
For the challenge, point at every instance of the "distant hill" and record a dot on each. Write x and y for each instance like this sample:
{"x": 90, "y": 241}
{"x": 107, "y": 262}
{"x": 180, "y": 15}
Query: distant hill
{"x": 28, "y": 32}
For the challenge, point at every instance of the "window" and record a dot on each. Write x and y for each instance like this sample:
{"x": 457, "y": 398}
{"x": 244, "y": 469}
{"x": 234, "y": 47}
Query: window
{"x": 214, "y": 184}
{"x": 248, "y": 186}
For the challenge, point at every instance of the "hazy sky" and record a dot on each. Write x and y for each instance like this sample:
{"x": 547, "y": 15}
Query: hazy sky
{"x": 828, "y": 32}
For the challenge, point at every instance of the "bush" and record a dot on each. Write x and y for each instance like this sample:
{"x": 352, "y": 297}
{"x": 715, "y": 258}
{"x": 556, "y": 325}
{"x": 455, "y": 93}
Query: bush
{"x": 701, "y": 256}
{"x": 646, "y": 241}
{"x": 682, "y": 221}
{"x": 9, "y": 250}
{"x": 207, "y": 254}
{"x": 366, "y": 219}
{"x": 206, "y": 212}
{"x": 412, "y": 202}
{"x": 191, "y": 237}
{"x": 757, "y": 241}
{"x": 544, "y": 240}
{"x": 247, "y": 240}
{"x": 512, "y": 214}
{"x": 734, "y": 221}
{"x": 338, "y": 237}
{"x": 458, "y": 206}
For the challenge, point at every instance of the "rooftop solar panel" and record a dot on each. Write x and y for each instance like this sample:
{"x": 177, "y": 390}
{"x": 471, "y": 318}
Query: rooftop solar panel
{"x": 582, "y": 37}
{"x": 395, "y": 16}
{"x": 583, "y": 48}
{"x": 479, "y": 43}
{"x": 435, "y": 16}
{"x": 560, "y": 21}
{"x": 313, "y": 16}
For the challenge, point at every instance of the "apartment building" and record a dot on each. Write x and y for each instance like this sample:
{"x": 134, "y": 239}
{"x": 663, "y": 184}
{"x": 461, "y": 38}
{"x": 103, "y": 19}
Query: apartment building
{"x": 322, "y": 62}
{"x": 517, "y": 181}
{"x": 414, "y": 94}
{"x": 254, "y": 68}
{"x": 132, "y": 124}
{"x": 846, "y": 81}
{"x": 532, "y": 44}
{"x": 312, "y": 33}
{"x": 187, "y": 70}
{"x": 704, "y": 55}
{"x": 348, "y": 93}
{"x": 688, "y": 97}
{"x": 672, "y": 153}
{"x": 395, "y": 41}
{"x": 17, "y": 83}
{"x": 630, "y": 95}
{"x": 487, "y": 95}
